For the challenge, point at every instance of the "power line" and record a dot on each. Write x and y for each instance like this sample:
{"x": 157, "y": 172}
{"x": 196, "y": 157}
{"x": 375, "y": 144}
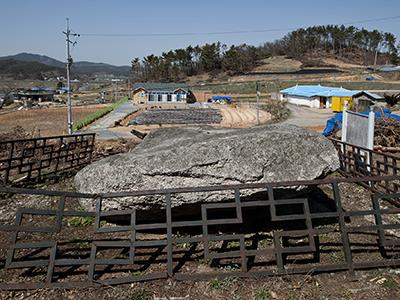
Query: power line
{"x": 225, "y": 32}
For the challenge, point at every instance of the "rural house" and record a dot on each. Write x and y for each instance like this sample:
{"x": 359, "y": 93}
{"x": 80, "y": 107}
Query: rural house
{"x": 363, "y": 100}
{"x": 37, "y": 93}
{"x": 160, "y": 92}
{"x": 318, "y": 96}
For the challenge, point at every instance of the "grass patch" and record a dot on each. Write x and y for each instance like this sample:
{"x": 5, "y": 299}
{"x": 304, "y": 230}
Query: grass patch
{"x": 390, "y": 283}
{"x": 263, "y": 294}
{"x": 80, "y": 221}
{"x": 216, "y": 284}
{"x": 98, "y": 114}
{"x": 347, "y": 294}
{"x": 136, "y": 273}
{"x": 140, "y": 295}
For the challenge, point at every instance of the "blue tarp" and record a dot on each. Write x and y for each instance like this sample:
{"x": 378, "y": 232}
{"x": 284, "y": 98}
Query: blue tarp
{"x": 333, "y": 123}
{"x": 41, "y": 88}
{"x": 336, "y": 121}
{"x": 226, "y": 98}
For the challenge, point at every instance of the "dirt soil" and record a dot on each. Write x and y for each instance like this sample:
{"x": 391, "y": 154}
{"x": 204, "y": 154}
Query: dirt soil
{"x": 373, "y": 284}
{"x": 318, "y": 129}
{"x": 43, "y": 121}
{"x": 342, "y": 64}
{"x": 365, "y": 285}
{"x": 106, "y": 148}
{"x": 15, "y": 133}
{"x": 235, "y": 116}
{"x": 242, "y": 116}
{"x": 278, "y": 64}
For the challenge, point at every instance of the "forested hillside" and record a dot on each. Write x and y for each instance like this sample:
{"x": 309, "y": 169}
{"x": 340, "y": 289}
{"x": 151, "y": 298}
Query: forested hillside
{"x": 357, "y": 45}
{"x": 27, "y": 69}
{"x": 25, "y": 60}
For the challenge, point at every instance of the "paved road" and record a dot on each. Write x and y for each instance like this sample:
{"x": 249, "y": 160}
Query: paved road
{"x": 102, "y": 127}
{"x": 308, "y": 117}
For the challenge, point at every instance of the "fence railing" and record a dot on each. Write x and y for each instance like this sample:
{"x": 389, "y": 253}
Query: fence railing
{"x": 31, "y": 158}
{"x": 357, "y": 161}
{"x": 279, "y": 228}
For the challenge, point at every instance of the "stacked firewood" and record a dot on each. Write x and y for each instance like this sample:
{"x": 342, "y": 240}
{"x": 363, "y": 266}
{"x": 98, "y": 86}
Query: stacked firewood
{"x": 387, "y": 133}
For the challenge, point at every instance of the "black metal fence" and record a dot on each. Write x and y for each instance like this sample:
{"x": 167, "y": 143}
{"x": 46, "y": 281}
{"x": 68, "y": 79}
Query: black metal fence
{"x": 32, "y": 158}
{"x": 357, "y": 161}
{"x": 259, "y": 230}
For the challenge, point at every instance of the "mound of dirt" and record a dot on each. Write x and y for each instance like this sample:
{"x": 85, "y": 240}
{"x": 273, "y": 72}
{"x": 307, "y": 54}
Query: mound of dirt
{"x": 105, "y": 148}
{"x": 15, "y": 133}
{"x": 278, "y": 64}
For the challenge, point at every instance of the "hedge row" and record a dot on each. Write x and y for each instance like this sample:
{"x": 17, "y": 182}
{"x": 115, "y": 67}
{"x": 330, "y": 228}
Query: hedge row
{"x": 98, "y": 114}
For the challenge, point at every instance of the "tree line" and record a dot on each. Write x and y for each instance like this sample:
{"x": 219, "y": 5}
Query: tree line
{"x": 341, "y": 41}
{"x": 360, "y": 45}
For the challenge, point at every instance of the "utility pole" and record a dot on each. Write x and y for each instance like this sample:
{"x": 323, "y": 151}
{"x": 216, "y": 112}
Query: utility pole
{"x": 67, "y": 34}
{"x": 258, "y": 103}
{"x": 376, "y": 58}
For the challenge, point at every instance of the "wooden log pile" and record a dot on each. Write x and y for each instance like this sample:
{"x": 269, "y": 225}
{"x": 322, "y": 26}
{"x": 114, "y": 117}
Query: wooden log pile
{"x": 387, "y": 133}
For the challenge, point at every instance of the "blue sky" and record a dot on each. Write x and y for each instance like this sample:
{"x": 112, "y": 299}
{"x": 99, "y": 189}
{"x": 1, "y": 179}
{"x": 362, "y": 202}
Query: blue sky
{"x": 35, "y": 26}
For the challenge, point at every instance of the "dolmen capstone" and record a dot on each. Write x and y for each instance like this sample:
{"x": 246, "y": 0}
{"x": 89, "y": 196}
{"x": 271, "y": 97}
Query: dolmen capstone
{"x": 193, "y": 157}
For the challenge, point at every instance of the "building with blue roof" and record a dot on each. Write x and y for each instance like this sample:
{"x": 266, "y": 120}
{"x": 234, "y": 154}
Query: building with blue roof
{"x": 36, "y": 93}
{"x": 152, "y": 92}
{"x": 318, "y": 96}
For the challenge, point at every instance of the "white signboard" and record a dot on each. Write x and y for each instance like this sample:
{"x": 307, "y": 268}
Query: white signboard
{"x": 358, "y": 129}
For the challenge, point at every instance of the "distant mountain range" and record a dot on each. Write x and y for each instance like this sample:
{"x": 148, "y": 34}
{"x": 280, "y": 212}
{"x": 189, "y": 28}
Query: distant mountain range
{"x": 16, "y": 69}
{"x": 80, "y": 67}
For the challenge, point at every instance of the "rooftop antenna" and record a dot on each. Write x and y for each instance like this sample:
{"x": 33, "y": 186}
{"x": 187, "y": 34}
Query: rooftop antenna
{"x": 67, "y": 34}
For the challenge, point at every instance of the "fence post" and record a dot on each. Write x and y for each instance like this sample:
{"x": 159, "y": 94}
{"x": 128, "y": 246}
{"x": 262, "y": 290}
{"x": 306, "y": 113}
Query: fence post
{"x": 344, "y": 123}
{"x": 344, "y": 134}
{"x": 371, "y": 125}
{"x": 370, "y": 141}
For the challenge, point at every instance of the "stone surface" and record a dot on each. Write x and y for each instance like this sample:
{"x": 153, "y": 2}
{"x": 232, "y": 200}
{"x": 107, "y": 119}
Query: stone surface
{"x": 183, "y": 157}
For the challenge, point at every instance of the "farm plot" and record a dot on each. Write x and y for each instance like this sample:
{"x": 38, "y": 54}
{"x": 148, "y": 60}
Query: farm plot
{"x": 45, "y": 121}
{"x": 242, "y": 116}
{"x": 178, "y": 116}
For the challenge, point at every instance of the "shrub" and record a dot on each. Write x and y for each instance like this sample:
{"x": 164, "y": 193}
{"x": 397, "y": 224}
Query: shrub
{"x": 278, "y": 110}
{"x": 263, "y": 294}
{"x": 392, "y": 100}
{"x": 140, "y": 295}
{"x": 98, "y": 114}
{"x": 191, "y": 100}
{"x": 80, "y": 221}
{"x": 216, "y": 283}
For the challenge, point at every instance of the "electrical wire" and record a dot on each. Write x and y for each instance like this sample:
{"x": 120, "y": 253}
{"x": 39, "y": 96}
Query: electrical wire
{"x": 223, "y": 32}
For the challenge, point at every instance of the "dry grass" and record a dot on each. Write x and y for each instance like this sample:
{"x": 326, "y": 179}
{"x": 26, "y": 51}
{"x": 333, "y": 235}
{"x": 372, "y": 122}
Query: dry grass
{"x": 45, "y": 121}
{"x": 278, "y": 64}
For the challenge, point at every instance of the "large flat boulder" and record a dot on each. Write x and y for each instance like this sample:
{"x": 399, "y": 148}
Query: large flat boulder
{"x": 192, "y": 157}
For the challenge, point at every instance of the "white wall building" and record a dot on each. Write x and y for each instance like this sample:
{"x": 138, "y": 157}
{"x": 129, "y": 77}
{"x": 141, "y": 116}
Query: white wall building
{"x": 315, "y": 96}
